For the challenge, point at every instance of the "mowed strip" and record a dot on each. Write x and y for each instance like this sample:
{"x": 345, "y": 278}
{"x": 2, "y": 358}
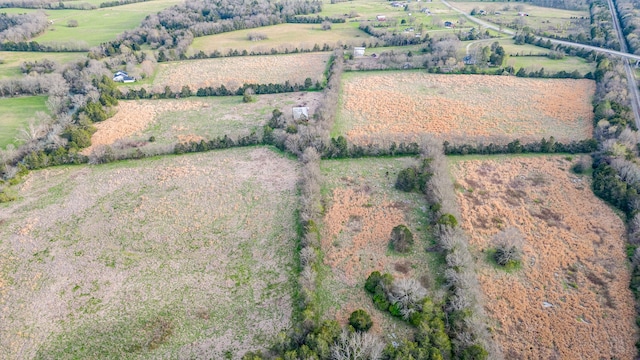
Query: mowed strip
{"x": 485, "y": 108}
{"x": 233, "y": 72}
{"x": 570, "y": 299}
{"x": 178, "y": 257}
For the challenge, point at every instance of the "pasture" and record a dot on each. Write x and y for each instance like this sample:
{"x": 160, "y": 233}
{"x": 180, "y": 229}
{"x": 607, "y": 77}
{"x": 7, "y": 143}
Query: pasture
{"x": 16, "y": 113}
{"x": 233, "y": 72}
{"x": 175, "y": 257}
{"x": 95, "y": 26}
{"x": 362, "y": 207}
{"x": 195, "y": 119}
{"x": 570, "y": 298}
{"x": 10, "y": 61}
{"x": 282, "y": 37}
{"x": 551, "y": 20}
{"x": 405, "y": 104}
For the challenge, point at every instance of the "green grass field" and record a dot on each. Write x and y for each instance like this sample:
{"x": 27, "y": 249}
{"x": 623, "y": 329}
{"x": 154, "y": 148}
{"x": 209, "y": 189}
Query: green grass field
{"x": 567, "y": 64}
{"x": 362, "y": 207}
{"x": 95, "y": 26}
{"x": 15, "y": 114}
{"x": 11, "y": 60}
{"x": 554, "y": 21}
{"x": 174, "y": 257}
{"x": 280, "y": 37}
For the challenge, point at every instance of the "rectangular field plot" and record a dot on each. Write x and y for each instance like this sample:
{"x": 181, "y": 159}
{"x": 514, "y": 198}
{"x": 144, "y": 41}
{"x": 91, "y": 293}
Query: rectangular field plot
{"x": 195, "y": 118}
{"x": 362, "y": 208}
{"x": 407, "y": 104}
{"x": 16, "y": 113}
{"x": 570, "y": 297}
{"x": 281, "y": 37}
{"x": 174, "y": 257}
{"x": 233, "y": 72}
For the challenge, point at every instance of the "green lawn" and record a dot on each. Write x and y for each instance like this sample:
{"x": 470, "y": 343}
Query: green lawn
{"x": 568, "y": 64}
{"x": 15, "y": 114}
{"x": 11, "y": 60}
{"x": 96, "y": 26}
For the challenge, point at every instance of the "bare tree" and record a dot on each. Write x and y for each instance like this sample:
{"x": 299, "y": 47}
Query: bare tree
{"x": 357, "y": 346}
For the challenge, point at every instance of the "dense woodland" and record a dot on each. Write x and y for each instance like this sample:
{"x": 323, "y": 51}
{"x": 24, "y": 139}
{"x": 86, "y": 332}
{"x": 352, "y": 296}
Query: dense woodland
{"x": 22, "y": 27}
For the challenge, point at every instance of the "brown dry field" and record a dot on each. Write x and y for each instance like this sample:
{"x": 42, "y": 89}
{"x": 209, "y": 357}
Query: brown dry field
{"x": 233, "y": 72}
{"x": 362, "y": 207}
{"x": 407, "y": 104}
{"x": 96, "y": 261}
{"x": 574, "y": 258}
{"x": 195, "y": 118}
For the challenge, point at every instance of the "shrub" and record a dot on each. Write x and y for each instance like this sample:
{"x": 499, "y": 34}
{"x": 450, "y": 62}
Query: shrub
{"x": 372, "y": 281}
{"x": 407, "y": 180}
{"x": 474, "y": 352}
{"x": 248, "y": 95}
{"x": 401, "y": 239}
{"x": 360, "y": 320}
{"x": 72, "y": 23}
{"x": 508, "y": 248}
{"x": 448, "y": 220}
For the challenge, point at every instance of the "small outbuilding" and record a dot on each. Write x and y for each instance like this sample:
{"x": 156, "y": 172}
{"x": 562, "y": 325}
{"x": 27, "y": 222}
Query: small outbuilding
{"x": 300, "y": 113}
{"x": 381, "y": 18}
{"x": 358, "y": 51}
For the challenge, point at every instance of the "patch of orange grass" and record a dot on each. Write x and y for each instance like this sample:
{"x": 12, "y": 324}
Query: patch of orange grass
{"x": 233, "y": 72}
{"x": 574, "y": 258}
{"x": 375, "y": 225}
{"x": 133, "y": 117}
{"x": 408, "y": 104}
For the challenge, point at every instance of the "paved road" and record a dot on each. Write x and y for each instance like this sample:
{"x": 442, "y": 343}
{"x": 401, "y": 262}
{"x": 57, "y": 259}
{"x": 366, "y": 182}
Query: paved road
{"x": 631, "y": 79}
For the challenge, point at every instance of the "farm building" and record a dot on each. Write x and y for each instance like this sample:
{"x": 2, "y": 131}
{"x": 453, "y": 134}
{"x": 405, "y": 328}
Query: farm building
{"x": 300, "y": 113}
{"x": 381, "y": 18}
{"x": 123, "y": 77}
{"x": 358, "y": 51}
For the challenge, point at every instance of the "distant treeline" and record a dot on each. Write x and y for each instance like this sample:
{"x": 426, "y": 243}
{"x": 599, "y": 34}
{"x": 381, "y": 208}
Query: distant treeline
{"x": 36, "y": 47}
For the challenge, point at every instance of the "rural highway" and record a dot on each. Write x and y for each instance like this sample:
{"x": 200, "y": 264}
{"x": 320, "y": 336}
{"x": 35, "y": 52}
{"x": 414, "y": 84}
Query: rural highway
{"x": 624, "y": 54}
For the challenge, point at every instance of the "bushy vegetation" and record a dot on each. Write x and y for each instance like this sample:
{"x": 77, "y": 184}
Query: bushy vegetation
{"x": 401, "y": 239}
{"x": 406, "y": 299}
{"x": 360, "y": 320}
{"x": 508, "y": 248}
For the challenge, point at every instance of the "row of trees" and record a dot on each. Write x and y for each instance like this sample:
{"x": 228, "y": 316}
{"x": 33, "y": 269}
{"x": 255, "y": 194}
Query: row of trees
{"x": 629, "y": 14}
{"x": 22, "y": 27}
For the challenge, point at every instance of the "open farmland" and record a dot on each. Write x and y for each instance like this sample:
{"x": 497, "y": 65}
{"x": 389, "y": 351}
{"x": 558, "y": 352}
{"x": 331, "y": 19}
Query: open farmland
{"x": 485, "y": 108}
{"x": 15, "y": 113}
{"x": 233, "y": 72}
{"x": 195, "y": 119}
{"x": 550, "y": 20}
{"x": 95, "y": 26}
{"x": 362, "y": 207}
{"x": 570, "y": 298}
{"x": 12, "y": 60}
{"x": 282, "y": 37}
{"x": 188, "y": 256}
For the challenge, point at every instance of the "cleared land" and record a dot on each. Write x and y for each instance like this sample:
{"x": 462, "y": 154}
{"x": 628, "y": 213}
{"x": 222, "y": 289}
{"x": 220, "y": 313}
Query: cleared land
{"x": 570, "y": 299}
{"x": 362, "y": 207}
{"x": 12, "y": 60}
{"x": 485, "y": 108}
{"x": 550, "y": 20}
{"x": 281, "y": 37}
{"x": 187, "y": 256}
{"x": 16, "y": 112}
{"x": 195, "y": 119}
{"x": 95, "y": 26}
{"x": 233, "y": 72}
